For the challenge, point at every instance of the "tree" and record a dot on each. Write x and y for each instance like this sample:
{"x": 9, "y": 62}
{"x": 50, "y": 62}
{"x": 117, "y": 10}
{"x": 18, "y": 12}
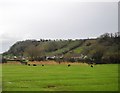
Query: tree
{"x": 4, "y": 60}
{"x": 104, "y": 37}
{"x": 34, "y": 52}
{"x": 97, "y": 54}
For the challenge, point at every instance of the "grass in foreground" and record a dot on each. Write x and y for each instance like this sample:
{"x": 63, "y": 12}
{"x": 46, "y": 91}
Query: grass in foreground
{"x": 60, "y": 78}
{"x": 0, "y": 78}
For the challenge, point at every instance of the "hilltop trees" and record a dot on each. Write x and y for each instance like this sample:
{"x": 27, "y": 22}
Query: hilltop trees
{"x": 111, "y": 42}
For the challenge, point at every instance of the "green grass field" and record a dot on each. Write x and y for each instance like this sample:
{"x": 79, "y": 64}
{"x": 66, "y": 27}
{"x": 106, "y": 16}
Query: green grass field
{"x": 0, "y": 78}
{"x": 60, "y": 77}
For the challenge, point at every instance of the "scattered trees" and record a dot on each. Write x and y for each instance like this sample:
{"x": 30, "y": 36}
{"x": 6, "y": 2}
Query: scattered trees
{"x": 104, "y": 49}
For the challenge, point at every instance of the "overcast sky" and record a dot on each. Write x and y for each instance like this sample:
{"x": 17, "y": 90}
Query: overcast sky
{"x": 55, "y": 19}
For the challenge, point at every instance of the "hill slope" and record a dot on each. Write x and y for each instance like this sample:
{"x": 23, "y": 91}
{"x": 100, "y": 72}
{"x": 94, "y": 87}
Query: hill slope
{"x": 102, "y": 49}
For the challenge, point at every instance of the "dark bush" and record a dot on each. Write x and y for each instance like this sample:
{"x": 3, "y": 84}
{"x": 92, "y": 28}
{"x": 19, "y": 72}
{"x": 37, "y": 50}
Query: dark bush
{"x": 4, "y": 60}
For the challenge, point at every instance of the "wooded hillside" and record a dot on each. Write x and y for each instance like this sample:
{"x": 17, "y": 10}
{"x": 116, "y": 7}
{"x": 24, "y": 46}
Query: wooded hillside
{"x": 104, "y": 49}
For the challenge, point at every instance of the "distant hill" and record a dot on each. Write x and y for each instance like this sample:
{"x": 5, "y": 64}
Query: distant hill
{"x": 104, "y": 49}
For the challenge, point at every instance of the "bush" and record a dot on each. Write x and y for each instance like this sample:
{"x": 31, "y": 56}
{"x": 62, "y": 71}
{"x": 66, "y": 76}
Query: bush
{"x": 4, "y": 60}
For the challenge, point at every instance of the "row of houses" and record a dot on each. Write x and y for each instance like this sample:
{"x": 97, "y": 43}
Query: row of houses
{"x": 45, "y": 58}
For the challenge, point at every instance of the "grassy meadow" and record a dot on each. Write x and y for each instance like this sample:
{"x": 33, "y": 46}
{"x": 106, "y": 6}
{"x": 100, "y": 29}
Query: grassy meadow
{"x": 60, "y": 77}
{"x": 0, "y": 77}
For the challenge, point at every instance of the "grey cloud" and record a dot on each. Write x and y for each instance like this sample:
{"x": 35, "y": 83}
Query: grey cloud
{"x": 29, "y": 19}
